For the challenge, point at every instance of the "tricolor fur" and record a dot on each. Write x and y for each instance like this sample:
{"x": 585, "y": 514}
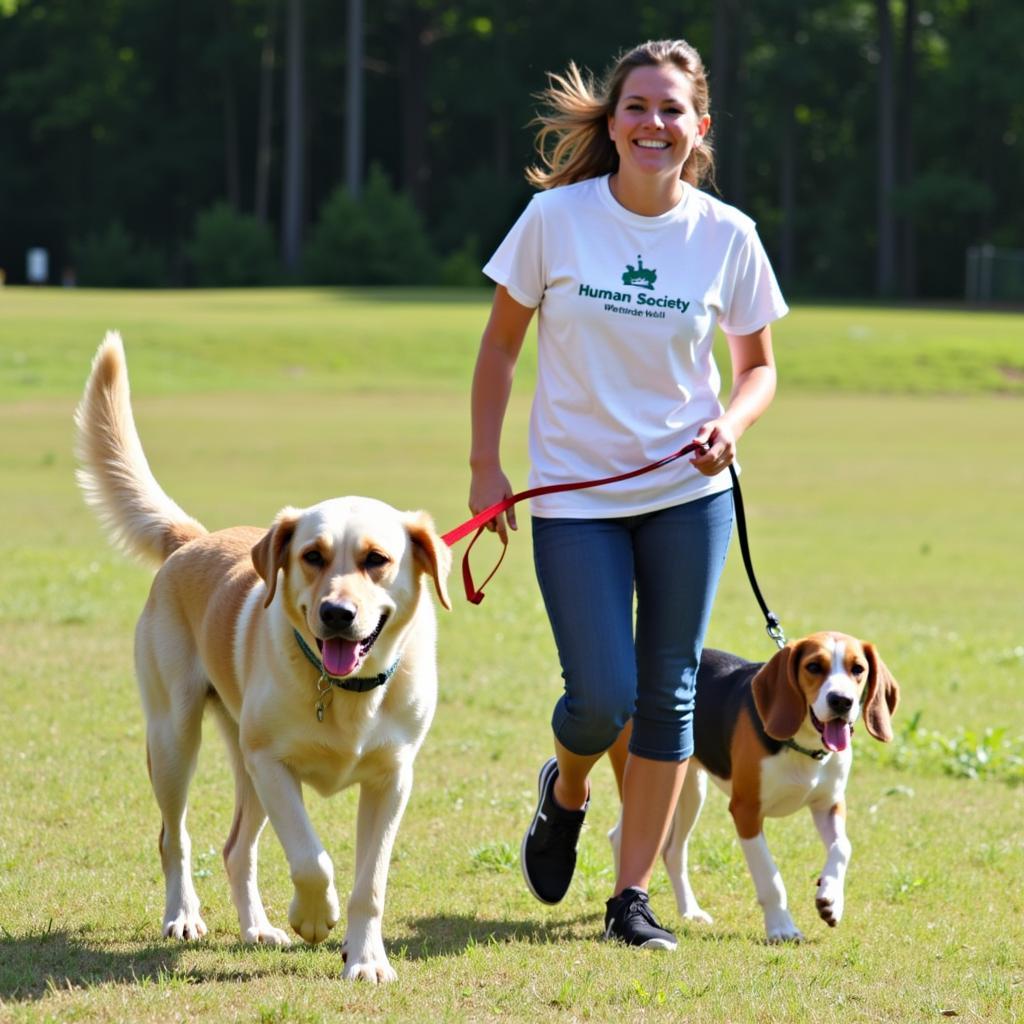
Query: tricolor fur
{"x": 756, "y": 727}
{"x": 349, "y": 574}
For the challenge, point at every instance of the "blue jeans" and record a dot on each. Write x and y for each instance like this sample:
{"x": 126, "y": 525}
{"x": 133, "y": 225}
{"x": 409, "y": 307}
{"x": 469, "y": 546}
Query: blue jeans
{"x": 587, "y": 570}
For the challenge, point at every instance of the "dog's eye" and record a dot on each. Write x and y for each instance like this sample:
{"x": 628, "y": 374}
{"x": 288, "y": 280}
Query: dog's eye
{"x": 857, "y": 669}
{"x": 814, "y": 667}
{"x": 375, "y": 559}
{"x": 314, "y": 558}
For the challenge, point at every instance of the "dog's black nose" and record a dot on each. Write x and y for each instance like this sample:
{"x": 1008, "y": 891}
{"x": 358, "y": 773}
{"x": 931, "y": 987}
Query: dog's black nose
{"x": 839, "y": 704}
{"x": 337, "y": 614}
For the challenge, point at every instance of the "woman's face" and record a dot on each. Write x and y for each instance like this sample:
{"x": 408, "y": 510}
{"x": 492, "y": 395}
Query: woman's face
{"x": 655, "y": 125}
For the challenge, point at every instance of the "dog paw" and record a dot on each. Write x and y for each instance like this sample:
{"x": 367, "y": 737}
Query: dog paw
{"x": 314, "y": 909}
{"x": 265, "y": 935}
{"x": 314, "y": 914}
{"x": 184, "y": 925}
{"x": 697, "y": 915}
{"x": 373, "y": 968}
{"x": 829, "y": 901}
{"x": 779, "y": 928}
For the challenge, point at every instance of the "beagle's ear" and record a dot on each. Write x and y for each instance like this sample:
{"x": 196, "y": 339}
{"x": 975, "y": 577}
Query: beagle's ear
{"x": 780, "y": 701}
{"x": 430, "y": 553}
{"x": 271, "y": 554}
{"x": 881, "y": 698}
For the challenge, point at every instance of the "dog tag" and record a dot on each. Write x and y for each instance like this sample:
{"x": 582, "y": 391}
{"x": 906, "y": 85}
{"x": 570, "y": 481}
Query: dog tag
{"x": 323, "y": 688}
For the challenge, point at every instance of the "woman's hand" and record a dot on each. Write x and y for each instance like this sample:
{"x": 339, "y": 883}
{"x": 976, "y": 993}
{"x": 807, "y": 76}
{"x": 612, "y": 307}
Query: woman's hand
{"x": 719, "y": 438}
{"x": 753, "y": 386}
{"x": 489, "y": 485}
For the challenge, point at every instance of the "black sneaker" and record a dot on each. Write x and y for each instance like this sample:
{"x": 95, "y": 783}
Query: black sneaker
{"x": 548, "y": 852}
{"x": 629, "y": 919}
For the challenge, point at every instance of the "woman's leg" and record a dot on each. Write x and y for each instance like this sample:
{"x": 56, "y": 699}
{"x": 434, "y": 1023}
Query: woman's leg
{"x": 585, "y": 571}
{"x": 649, "y": 793}
{"x": 679, "y": 556}
{"x": 618, "y": 752}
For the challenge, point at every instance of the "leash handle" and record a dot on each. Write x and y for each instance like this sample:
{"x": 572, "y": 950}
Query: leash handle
{"x": 475, "y": 594}
{"x": 479, "y": 522}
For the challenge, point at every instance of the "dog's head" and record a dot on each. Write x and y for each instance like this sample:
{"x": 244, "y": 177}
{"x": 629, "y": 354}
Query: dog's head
{"x": 351, "y": 573}
{"x": 826, "y": 679}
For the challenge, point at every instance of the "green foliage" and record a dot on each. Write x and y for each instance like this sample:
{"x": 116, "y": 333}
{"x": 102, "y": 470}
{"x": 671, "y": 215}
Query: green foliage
{"x": 967, "y": 753}
{"x": 232, "y": 249}
{"x": 114, "y": 259}
{"x": 377, "y": 239}
{"x": 462, "y": 268}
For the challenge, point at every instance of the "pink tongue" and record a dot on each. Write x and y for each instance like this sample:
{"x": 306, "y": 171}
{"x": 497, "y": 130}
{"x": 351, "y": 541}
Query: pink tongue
{"x": 340, "y": 656}
{"x": 836, "y": 735}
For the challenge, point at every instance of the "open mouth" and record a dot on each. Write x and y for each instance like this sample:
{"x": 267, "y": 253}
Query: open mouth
{"x": 835, "y": 733}
{"x": 342, "y": 657}
{"x": 652, "y": 143}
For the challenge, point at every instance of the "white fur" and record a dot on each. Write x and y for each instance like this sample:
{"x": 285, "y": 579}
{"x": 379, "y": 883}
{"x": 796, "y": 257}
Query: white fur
{"x": 218, "y": 630}
{"x": 789, "y": 780}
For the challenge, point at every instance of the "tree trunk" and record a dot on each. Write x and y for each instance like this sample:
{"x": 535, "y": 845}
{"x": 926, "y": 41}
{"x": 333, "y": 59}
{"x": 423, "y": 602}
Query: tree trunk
{"x": 232, "y": 160}
{"x": 261, "y": 201}
{"x": 725, "y": 98}
{"x": 292, "y": 200}
{"x": 885, "y": 281}
{"x": 908, "y": 240}
{"x": 502, "y": 131}
{"x": 415, "y": 62}
{"x": 354, "y": 114}
{"x": 787, "y": 197}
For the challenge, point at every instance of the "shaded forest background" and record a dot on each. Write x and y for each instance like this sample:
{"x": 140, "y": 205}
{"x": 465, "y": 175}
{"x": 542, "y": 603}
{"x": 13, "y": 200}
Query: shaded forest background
{"x": 180, "y": 142}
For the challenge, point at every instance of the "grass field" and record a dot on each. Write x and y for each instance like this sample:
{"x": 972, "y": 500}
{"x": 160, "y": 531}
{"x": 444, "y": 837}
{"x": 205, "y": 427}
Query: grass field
{"x": 885, "y": 491}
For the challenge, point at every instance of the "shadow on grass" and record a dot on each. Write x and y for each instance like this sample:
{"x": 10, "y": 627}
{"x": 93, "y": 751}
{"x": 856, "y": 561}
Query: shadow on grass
{"x": 33, "y": 965}
{"x": 454, "y": 934}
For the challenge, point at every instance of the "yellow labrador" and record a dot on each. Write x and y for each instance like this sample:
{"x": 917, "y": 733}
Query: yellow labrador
{"x": 314, "y": 644}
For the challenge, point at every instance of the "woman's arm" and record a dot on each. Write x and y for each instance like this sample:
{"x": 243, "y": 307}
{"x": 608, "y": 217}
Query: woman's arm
{"x": 492, "y": 384}
{"x": 753, "y": 387}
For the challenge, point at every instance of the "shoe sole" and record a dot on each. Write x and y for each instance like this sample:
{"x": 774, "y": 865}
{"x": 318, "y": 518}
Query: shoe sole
{"x": 547, "y": 770}
{"x": 667, "y": 945}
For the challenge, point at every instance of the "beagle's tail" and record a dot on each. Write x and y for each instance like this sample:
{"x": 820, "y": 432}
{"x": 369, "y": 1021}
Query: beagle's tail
{"x": 114, "y": 473}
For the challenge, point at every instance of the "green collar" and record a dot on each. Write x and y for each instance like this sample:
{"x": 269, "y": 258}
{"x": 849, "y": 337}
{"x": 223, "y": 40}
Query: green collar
{"x": 326, "y": 683}
{"x": 819, "y": 755}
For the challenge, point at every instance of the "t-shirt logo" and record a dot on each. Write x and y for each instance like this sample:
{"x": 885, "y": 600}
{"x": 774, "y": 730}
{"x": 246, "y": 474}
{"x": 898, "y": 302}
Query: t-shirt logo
{"x": 640, "y": 276}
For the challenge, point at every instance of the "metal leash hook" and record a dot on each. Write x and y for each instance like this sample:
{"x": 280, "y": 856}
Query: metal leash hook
{"x": 774, "y": 629}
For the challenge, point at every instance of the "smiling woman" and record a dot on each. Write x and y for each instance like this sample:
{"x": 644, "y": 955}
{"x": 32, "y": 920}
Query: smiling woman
{"x": 630, "y": 268}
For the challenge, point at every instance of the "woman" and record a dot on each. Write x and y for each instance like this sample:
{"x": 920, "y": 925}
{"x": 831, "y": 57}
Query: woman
{"x": 631, "y": 268}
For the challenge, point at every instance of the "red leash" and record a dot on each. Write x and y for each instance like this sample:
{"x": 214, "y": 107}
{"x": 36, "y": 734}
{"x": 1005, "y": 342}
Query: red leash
{"x": 479, "y": 522}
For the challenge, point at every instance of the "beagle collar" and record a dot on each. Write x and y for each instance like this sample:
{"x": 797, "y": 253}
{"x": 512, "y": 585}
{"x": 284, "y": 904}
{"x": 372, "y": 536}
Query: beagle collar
{"x": 819, "y": 755}
{"x": 327, "y": 683}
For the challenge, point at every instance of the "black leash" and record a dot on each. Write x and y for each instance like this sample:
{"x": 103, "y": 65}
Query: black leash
{"x": 772, "y": 625}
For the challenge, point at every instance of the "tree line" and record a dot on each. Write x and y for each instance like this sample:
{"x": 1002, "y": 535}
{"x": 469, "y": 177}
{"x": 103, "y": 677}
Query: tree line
{"x": 176, "y": 142}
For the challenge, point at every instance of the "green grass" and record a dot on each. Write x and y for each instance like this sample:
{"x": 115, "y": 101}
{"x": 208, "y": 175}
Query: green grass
{"x": 380, "y": 341}
{"x": 890, "y": 514}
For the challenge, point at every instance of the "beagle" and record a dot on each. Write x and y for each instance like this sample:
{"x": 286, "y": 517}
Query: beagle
{"x": 776, "y": 737}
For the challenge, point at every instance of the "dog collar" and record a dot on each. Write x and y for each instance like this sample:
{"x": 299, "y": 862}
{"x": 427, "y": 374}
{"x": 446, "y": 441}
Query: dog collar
{"x": 326, "y": 683}
{"x": 819, "y": 755}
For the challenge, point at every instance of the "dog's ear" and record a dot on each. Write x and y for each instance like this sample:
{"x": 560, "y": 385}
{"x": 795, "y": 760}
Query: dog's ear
{"x": 780, "y": 701}
{"x": 271, "y": 554}
{"x": 430, "y": 553}
{"x": 881, "y": 697}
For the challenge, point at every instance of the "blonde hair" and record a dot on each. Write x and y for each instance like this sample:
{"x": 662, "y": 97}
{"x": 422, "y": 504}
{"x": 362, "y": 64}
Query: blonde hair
{"x": 573, "y": 141}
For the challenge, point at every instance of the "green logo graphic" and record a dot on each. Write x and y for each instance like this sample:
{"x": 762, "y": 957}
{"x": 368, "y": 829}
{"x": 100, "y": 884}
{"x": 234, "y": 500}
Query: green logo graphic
{"x": 639, "y": 276}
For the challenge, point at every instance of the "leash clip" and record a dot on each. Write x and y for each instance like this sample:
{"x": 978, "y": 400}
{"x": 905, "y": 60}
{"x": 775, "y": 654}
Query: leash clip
{"x": 326, "y": 694}
{"x": 775, "y": 631}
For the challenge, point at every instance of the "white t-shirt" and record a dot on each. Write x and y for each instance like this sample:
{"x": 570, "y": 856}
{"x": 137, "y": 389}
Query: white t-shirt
{"x": 627, "y": 312}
